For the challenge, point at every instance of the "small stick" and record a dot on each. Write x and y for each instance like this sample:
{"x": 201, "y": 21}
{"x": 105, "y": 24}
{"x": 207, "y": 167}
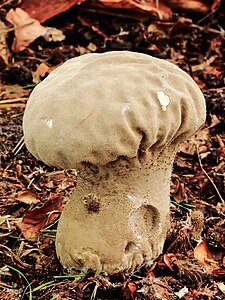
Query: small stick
{"x": 209, "y": 178}
{"x": 18, "y": 146}
{"x": 10, "y": 105}
{"x": 13, "y": 100}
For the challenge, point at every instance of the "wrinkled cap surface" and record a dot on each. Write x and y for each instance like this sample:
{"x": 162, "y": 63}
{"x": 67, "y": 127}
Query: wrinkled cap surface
{"x": 98, "y": 107}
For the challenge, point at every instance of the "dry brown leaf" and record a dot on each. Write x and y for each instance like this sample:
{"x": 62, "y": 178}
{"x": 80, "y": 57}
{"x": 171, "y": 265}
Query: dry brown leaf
{"x": 168, "y": 261}
{"x": 36, "y": 219}
{"x": 198, "y": 140}
{"x": 178, "y": 190}
{"x": 4, "y": 51}
{"x": 157, "y": 8}
{"x": 28, "y": 197}
{"x": 215, "y": 4}
{"x": 201, "y": 252}
{"x": 28, "y": 29}
{"x": 41, "y": 71}
{"x": 43, "y": 10}
{"x": 221, "y": 286}
{"x": 199, "y": 6}
{"x": 207, "y": 258}
{"x": 132, "y": 287}
{"x": 214, "y": 120}
{"x": 161, "y": 27}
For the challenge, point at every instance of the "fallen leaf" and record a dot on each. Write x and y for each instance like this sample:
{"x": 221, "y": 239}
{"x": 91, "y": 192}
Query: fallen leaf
{"x": 36, "y": 219}
{"x": 178, "y": 189}
{"x": 43, "y": 10}
{"x": 28, "y": 29}
{"x": 46, "y": 9}
{"x": 53, "y": 35}
{"x": 4, "y": 51}
{"x": 28, "y": 197}
{"x": 132, "y": 287}
{"x": 201, "y": 252}
{"x": 182, "y": 292}
{"x": 198, "y": 140}
{"x": 159, "y": 9}
{"x": 161, "y": 27}
{"x": 197, "y": 6}
{"x": 215, "y": 4}
{"x": 207, "y": 258}
{"x": 220, "y": 141}
{"x": 221, "y": 286}
{"x": 41, "y": 71}
{"x": 168, "y": 261}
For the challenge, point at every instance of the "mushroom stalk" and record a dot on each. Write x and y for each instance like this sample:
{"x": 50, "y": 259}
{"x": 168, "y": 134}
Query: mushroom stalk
{"x": 115, "y": 220}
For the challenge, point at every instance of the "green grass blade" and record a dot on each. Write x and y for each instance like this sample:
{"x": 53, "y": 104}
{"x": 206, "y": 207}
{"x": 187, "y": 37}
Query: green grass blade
{"x": 69, "y": 276}
{"x": 38, "y": 288}
{"x": 22, "y": 275}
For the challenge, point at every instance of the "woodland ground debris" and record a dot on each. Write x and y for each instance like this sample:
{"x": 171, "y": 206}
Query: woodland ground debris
{"x": 187, "y": 269}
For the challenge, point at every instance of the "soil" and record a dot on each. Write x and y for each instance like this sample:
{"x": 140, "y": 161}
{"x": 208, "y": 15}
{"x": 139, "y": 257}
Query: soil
{"x": 192, "y": 265}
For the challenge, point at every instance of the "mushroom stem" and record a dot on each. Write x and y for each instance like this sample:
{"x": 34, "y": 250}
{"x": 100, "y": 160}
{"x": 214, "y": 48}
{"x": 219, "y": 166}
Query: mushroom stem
{"x": 117, "y": 218}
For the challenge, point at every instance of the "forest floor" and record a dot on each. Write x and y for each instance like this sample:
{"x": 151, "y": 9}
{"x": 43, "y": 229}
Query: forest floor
{"x": 32, "y": 195}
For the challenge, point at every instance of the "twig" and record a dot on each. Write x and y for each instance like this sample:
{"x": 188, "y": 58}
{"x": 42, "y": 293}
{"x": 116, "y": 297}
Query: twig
{"x": 15, "y": 27}
{"x": 14, "y": 256}
{"x": 208, "y": 15}
{"x": 209, "y": 178}
{"x": 13, "y": 100}
{"x": 12, "y": 105}
{"x": 6, "y": 3}
{"x": 94, "y": 291}
{"x": 34, "y": 185}
{"x": 18, "y": 146}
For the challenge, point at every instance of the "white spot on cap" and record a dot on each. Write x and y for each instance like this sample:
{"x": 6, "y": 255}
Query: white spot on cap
{"x": 163, "y": 99}
{"x": 125, "y": 108}
{"x": 49, "y": 123}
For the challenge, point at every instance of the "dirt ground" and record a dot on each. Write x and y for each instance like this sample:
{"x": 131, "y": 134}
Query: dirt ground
{"x": 32, "y": 195}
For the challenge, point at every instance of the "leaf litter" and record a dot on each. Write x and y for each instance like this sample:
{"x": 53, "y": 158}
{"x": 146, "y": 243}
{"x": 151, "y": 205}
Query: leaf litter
{"x": 192, "y": 265}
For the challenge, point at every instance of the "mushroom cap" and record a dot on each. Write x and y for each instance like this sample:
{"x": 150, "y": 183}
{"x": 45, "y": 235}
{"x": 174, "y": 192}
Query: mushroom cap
{"x": 97, "y": 108}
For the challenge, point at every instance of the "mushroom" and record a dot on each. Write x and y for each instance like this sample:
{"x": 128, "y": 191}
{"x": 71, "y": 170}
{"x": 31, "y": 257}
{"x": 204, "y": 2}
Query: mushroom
{"x": 118, "y": 118}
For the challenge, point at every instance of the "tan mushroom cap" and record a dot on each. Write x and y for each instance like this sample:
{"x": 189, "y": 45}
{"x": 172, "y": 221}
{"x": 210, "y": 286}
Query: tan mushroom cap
{"x": 98, "y": 107}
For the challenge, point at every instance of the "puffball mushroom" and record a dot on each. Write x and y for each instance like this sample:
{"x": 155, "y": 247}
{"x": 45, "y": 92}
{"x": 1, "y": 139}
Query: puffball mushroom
{"x": 117, "y": 117}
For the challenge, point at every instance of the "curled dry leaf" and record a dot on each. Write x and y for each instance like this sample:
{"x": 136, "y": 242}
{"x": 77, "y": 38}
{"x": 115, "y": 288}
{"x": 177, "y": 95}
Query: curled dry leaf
{"x": 46, "y": 9}
{"x": 156, "y": 8}
{"x": 198, "y": 6}
{"x": 207, "y": 257}
{"x": 178, "y": 190}
{"x": 4, "y": 51}
{"x": 28, "y": 29}
{"x": 28, "y": 197}
{"x": 168, "y": 261}
{"x": 36, "y": 219}
{"x": 132, "y": 287}
{"x": 43, "y": 10}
